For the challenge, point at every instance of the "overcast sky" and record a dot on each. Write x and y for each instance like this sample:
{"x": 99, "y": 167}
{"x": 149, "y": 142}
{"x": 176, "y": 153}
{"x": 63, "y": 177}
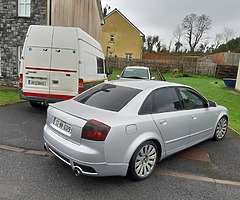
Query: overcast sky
{"x": 160, "y": 17}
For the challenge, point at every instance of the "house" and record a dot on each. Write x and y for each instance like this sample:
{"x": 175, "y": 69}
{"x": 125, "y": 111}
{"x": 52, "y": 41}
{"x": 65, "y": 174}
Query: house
{"x": 17, "y": 15}
{"x": 120, "y": 37}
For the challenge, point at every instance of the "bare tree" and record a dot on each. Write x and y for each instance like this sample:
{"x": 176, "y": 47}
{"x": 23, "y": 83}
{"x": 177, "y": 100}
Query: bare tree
{"x": 218, "y": 40}
{"x": 195, "y": 28}
{"x": 178, "y": 33}
{"x": 228, "y": 34}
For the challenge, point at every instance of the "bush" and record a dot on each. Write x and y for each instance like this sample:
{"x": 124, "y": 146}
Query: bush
{"x": 175, "y": 73}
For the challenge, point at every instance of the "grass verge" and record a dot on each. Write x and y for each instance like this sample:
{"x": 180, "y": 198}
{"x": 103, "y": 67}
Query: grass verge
{"x": 8, "y": 96}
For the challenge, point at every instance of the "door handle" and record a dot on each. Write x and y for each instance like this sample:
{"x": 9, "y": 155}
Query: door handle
{"x": 68, "y": 74}
{"x": 45, "y": 49}
{"x": 58, "y": 50}
{"x": 163, "y": 122}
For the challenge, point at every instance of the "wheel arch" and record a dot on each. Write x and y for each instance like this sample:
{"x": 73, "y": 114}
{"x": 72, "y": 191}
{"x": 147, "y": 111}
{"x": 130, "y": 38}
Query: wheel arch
{"x": 141, "y": 139}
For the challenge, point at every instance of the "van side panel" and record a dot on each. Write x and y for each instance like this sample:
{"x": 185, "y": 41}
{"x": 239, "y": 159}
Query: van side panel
{"x": 91, "y": 52}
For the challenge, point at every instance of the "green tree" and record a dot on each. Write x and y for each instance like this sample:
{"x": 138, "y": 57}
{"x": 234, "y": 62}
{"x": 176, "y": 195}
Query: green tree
{"x": 232, "y": 46}
{"x": 151, "y": 42}
{"x": 178, "y": 45}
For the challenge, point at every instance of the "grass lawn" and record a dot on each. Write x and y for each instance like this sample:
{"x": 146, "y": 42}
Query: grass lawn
{"x": 212, "y": 88}
{"x": 8, "y": 96}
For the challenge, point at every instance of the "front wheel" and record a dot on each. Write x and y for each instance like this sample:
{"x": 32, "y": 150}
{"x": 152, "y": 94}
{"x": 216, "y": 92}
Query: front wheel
{"x": 221, "y": 129}
{"x": 143, "y": 161}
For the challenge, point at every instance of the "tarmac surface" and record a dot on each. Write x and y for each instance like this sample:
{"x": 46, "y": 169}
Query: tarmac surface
{"x": 209, "y": 170}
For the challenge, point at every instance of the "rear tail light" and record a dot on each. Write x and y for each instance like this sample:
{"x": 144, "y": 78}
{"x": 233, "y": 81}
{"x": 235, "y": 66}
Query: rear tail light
{"x": 80, "y": 85}
{"x": 95, "y": 130}
{"x": 20, "y": 81}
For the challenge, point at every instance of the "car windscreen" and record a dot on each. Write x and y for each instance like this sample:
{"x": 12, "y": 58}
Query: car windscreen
{"x": 107, "y": 96}
{"x": 135, "y": 73}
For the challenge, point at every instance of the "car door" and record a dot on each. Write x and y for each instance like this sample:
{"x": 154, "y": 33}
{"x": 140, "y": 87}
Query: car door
{"x": 201, "y": 116}
{"x": 171, "y": 120}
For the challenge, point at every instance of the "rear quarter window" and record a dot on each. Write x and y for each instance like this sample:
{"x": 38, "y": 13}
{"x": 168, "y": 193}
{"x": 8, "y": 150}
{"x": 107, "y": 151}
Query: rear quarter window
{"x": 108, "y": 97}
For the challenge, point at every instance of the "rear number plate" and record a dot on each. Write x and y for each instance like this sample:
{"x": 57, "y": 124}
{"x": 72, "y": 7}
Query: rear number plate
{"x": 62, "y": 125}
{"x": 33, "y": 82}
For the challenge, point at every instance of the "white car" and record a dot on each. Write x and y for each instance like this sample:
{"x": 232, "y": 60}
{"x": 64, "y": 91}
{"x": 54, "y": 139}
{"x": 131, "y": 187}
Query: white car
{"x": 136, "y": 72}
{"x": 127, "y": 126}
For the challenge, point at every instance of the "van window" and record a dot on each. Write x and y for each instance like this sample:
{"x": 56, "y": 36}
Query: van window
{"x": 100, "y": 66}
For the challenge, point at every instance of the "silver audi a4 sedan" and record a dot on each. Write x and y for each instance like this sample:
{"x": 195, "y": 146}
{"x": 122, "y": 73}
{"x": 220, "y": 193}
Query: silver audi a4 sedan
{"x": 126, "y": 127}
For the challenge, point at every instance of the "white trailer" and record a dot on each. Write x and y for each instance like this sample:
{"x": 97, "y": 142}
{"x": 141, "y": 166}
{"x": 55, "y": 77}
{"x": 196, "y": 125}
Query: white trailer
{"x": 58, "y": 63}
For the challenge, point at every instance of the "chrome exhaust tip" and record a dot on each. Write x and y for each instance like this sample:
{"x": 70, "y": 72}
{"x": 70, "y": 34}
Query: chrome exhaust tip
{"x": 77, "y": 170}
{"x": 45, "y": 146}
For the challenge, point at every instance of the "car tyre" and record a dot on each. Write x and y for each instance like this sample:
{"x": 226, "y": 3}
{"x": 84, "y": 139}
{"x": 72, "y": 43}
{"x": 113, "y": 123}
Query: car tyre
{"x": 221, "y": 129}
{"x": 143, "y": 161}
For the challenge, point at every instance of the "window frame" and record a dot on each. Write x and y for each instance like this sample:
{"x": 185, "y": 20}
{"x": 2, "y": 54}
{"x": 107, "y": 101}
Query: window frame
{"x": 110, "y": 54}
{"x": 112, "y": 38}
{"x": 197, "y": 94}
{"x": 128, "y": 56}
{"x": 100, "y": 66}
{"x": 151, "y": 97}
{"x": 25, "y": 4}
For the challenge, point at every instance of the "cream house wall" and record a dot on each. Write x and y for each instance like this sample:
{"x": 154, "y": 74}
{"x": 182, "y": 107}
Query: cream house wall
{"x": 127, "y": 38}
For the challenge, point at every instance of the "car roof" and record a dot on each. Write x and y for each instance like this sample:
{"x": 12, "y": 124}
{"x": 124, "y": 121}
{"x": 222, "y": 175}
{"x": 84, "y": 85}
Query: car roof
{"x": 137, "y": 67}
{"x": 143, "y": 84}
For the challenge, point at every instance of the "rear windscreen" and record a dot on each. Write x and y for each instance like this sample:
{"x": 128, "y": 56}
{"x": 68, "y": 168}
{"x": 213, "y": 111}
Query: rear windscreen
{"x": 107, "y": 96}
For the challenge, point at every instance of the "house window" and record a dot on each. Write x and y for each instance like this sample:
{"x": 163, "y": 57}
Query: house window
{"x": 111, "y": 38}
{"x": 128, "y": 56}
{"x": 20, "y": 49}
{"x": 110, "y": 54}
{"x": 24, "y": 8}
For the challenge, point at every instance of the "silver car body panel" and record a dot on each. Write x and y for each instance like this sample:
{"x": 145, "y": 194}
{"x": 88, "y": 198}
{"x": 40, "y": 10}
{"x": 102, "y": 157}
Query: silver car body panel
{"x": 173, "y": 131}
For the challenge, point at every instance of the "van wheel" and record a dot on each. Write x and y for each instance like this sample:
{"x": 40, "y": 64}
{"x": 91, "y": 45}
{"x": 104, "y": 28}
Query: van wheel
{"x": 143, "y": 161}
{"x": 35, "y": 104}
{"x": 221, "y": 129}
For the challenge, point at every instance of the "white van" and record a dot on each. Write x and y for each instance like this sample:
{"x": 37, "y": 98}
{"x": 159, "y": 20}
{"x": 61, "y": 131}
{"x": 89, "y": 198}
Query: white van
{"x": 58, "y": 63}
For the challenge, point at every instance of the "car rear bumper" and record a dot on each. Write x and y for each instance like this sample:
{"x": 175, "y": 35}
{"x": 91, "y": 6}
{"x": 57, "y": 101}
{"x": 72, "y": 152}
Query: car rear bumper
{"x": 79, "y": 156}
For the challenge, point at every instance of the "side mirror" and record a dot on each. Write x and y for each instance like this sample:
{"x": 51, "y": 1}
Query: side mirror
{"x": 118, "y": 76}
{"x": 211, "y": 103}
{"x": 153, "y": 78}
